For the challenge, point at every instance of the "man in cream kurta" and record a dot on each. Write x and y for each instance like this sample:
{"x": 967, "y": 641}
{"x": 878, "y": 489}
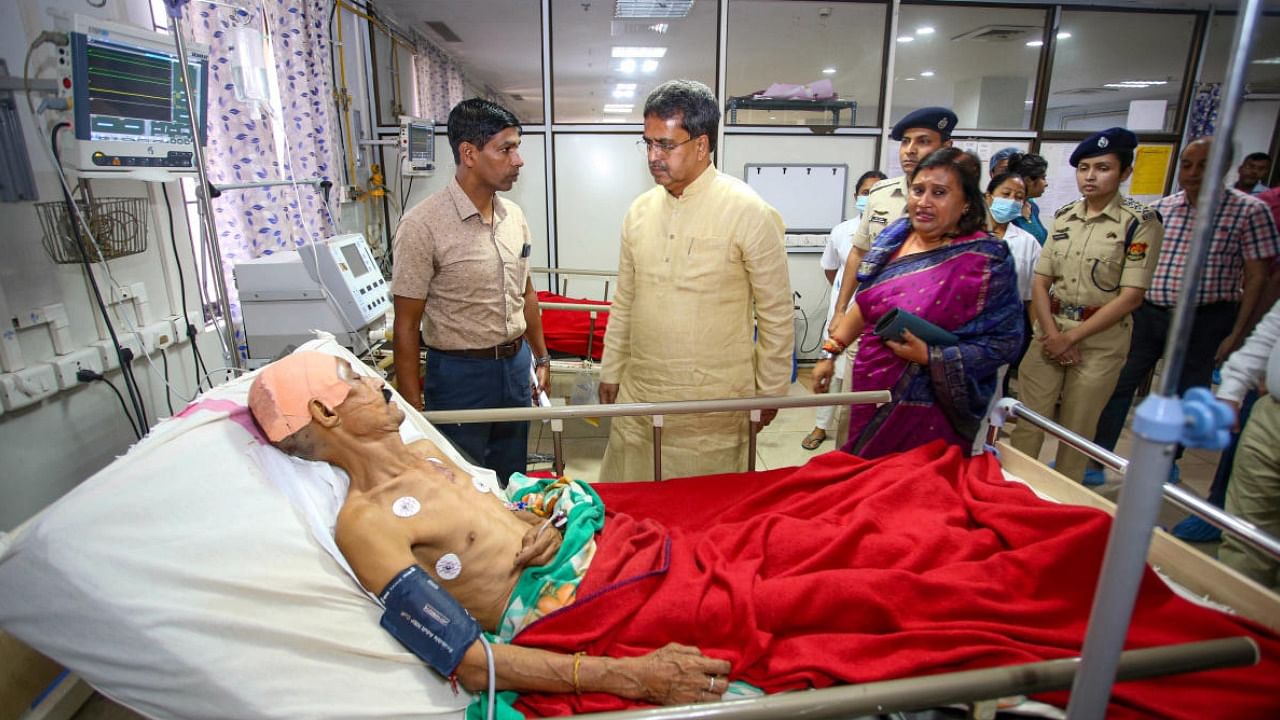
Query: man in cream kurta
{"x": 703, "y": 306}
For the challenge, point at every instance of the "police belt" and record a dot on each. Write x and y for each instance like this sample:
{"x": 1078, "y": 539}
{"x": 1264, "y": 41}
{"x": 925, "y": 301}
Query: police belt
{"x": 497, "y": 352}
{"x": 1072, "y": 312}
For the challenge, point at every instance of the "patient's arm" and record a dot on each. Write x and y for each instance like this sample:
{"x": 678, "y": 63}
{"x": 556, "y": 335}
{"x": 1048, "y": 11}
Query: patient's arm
{"x": 379, "y": 547}
{"x": 672, "y": 675}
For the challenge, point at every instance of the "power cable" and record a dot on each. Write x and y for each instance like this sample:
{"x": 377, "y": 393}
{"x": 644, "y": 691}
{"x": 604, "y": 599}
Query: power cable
{"x": 84, "y": 375}
{"x": 168, "y": 397}
{"x": 188, "y": 329}
{"x": 122, "y": 354}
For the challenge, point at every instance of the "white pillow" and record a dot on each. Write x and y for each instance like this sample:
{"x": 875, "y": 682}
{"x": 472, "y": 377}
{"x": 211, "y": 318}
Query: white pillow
{"x": 179, "y": 582}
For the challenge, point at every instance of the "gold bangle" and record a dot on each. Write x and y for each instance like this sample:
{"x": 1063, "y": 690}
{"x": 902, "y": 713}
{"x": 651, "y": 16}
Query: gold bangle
{"x": 577, "y": 664}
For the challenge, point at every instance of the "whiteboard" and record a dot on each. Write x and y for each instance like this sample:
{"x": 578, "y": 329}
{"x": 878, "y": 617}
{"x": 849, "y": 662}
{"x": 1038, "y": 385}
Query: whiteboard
{"x": 811, "y": 198}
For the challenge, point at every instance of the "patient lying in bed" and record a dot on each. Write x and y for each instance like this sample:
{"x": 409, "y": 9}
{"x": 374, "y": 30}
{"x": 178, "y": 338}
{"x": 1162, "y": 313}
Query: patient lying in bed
{"x": 407, "y": 507}
{"x": 842, "y": 571}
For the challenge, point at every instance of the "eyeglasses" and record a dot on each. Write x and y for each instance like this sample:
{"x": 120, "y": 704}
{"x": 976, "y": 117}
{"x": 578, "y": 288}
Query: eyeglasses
{"x": 662, "y": 147}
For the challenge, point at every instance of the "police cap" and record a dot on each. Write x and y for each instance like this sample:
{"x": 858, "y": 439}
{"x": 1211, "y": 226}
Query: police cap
{"x": 938, "y": 119}
{"x": 1112, "y": 140}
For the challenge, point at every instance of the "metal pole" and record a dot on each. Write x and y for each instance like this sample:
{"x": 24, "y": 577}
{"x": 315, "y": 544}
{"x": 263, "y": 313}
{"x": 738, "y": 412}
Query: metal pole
{"x": 752, "y": 431}
{"x": 1157, "y": 428}
{"x": 268, "y": 183}
{"x": 892, "y": 696}
{"x": 675, "y": 407}
{"x": 657, "y": 447}
{"x": 557, "y": 440}
{"x": 230, "y": 354}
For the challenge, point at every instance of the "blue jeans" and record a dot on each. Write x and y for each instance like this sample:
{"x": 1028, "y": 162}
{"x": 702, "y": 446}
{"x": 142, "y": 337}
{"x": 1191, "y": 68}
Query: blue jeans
{"x": 459, "y": 383}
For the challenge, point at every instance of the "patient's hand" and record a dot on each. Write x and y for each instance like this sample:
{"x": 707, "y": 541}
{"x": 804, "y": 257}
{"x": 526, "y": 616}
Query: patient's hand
{"x": 539, "y": 545}
{"x": 677, "y": 674}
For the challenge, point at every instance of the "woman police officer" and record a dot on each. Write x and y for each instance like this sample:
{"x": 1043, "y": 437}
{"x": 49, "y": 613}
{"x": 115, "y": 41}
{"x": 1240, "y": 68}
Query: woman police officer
{"x": 1093, "y": 272}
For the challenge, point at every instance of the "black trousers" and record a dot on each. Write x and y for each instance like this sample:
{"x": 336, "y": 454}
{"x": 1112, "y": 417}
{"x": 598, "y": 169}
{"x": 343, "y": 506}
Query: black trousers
{"x": 1211, "y": 325}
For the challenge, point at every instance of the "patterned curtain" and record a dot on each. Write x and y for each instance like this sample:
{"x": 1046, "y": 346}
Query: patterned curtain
{"x": 1204, "y": 110}
{"x": 242, "y": 148}
{"x": 439, "y": 83}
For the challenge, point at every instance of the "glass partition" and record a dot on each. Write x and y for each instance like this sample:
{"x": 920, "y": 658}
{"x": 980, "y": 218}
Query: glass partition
{"x": 1118, "y": 68}
{"x": 606, "y": 60}
{"x": 804, "y": 63}
{"x": 497, "y": 45}
{"x": 979, "y": 61}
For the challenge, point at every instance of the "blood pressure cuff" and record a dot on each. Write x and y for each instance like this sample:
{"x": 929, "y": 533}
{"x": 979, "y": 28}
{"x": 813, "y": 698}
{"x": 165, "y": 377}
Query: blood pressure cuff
{"x": 427, "y": 620}
{"x": 896, "y": 320}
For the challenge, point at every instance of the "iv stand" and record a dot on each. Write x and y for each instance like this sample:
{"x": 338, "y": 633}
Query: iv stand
{"x": 1162, "y": 420}
{"x": 230, "y": 355}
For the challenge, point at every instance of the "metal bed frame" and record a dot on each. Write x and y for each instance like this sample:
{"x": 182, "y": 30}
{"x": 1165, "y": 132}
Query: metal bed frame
{"x": 971, "y": 687}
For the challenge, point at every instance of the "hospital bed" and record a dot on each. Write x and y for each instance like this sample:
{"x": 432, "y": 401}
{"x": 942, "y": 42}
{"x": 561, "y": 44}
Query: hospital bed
{"x": 181, "y": 582}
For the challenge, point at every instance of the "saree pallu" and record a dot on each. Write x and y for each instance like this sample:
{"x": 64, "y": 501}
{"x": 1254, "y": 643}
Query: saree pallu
{"x": 967, "y": 287}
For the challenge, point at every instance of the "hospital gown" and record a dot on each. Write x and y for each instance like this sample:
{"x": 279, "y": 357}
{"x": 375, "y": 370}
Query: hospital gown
{"x": 698, "y": 275}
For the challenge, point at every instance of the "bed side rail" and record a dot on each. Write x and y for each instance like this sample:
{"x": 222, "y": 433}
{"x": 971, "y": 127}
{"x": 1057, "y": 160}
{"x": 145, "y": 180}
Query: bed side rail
{"x": 970, "y": 686}
{"x": 1246, "y": 531}
{"x": 557, "y": 415}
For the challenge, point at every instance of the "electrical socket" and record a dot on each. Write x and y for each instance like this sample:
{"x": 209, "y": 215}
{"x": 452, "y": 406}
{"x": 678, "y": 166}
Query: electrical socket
{"x": 86, "y": 358}
{"x": 157, "y": 336}
{"x": 107, "y": 351}
{"x": 27, "y": 386}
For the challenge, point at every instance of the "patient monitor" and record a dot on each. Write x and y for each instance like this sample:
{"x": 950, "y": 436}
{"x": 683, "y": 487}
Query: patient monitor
{"x": 334, "y": 286}
{"x": 131, "y": 111}
{"x": 417, "y": 146}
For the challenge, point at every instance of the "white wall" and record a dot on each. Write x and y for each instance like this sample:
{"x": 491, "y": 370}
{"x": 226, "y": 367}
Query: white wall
{"x": 529, "y": 192}
{"x": 807, "y": 278}
{"x": 49, "y": 447}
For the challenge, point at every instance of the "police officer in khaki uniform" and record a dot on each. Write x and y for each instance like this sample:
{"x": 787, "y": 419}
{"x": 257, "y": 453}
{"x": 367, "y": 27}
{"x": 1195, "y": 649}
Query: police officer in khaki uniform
{"x": 1092, "y": 274}
{"x": 919, "y": 133}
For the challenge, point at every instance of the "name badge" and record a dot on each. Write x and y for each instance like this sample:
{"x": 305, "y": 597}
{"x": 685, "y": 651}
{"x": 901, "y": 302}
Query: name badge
{"x": 525, "y": 250}
{"x": 1061, "y": 236}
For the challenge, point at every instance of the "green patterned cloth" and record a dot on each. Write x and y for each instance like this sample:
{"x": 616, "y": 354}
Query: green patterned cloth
{"x": 544, "y": 589}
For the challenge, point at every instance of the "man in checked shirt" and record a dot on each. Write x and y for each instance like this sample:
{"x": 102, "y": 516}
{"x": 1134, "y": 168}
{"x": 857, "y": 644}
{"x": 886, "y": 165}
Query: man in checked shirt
{"x": 1245, "y": 241}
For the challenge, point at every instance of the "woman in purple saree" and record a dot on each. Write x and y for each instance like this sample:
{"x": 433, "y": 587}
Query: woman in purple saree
{"x": 939, "y": 264}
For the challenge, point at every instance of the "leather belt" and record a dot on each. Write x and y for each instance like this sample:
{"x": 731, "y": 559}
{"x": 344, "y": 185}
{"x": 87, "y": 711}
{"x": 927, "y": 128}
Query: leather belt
{"x": 497, "y": 352}
{"x": 1079, "y": 313}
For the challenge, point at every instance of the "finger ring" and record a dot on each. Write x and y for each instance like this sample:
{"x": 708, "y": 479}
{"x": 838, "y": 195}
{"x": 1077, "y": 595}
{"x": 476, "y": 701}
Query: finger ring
{"x": 711, "y": 688}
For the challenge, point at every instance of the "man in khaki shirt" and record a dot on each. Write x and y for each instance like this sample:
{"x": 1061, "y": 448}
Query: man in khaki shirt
{"x": 919, "y": 133}
{"x": 703, "y": 307}
{"x": 1093, "y": 272}
{"x": 461, "y": 277}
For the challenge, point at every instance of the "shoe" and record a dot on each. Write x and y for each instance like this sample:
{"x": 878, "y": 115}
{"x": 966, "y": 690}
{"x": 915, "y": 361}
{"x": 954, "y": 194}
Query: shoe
{"x": 1193, "y": 529}
{"x": 815, "y": 438}
{"x": 1175, "y": 475}
{"x": 1093, "y": 477}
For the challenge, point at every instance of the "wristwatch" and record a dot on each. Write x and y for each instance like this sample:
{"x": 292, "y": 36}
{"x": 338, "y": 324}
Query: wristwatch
{"x": 826, "y": 355}
{"x": 543, "y": 361}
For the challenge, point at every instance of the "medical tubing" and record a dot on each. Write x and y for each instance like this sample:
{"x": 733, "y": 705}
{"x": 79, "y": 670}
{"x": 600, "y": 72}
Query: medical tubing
{"x": 187, "y": 330}
{"x": 134, "y": 396}
{"x": 493, "y": 675}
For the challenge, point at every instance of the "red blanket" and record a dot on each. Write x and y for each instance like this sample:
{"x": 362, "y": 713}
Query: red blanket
{"x": 847, "y": 570}
{"x": 567, "y": 331}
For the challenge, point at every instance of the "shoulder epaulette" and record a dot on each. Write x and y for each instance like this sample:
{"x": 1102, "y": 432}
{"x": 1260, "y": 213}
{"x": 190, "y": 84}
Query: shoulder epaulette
{"x": 1064, "y": 209}
{"x": 1141, "y": 211}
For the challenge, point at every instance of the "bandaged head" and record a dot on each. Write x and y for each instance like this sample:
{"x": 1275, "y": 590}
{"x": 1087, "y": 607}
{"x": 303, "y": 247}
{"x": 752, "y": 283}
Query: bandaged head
{"x": 280, "y": 395}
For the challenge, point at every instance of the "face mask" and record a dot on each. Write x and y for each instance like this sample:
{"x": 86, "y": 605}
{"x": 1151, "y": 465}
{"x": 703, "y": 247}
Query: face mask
{"x": 1004, "y": 210}
{"x": 861, "y": 203}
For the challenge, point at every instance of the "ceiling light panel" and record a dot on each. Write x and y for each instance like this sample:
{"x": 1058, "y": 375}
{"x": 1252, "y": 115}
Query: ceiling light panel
{"x": 652, "y": 8}
{"x": 633, "y": 51}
